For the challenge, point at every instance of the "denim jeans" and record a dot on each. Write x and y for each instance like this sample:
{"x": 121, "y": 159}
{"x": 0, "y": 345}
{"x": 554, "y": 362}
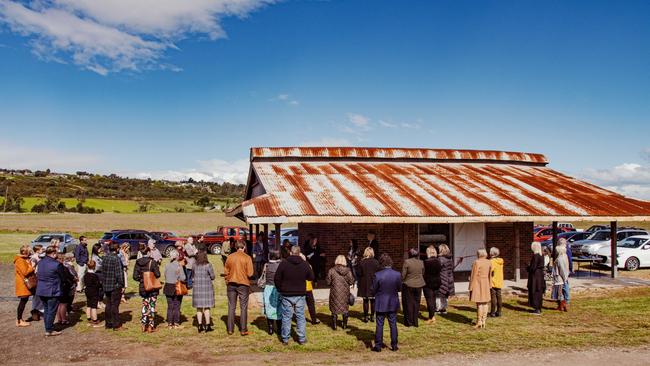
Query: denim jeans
{"x": 190, "y": 278}
{"x": 291, "y": 305}
{"x": 50, "y": 304}
{"x": 565, "y": 291}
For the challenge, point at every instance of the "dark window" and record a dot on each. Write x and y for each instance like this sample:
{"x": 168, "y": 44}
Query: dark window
{"x": 124, "y": 236}
{"x": 107, "y": 236}
{"x": 232, "y": 232}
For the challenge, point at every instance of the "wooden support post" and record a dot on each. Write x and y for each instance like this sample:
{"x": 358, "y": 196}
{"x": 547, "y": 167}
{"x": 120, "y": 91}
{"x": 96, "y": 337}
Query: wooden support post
{"x": 614, "y": 261}
{"x": 278, "y": 236}
{"x": 517, "y": 253}
{"x": 257, "y": 233}
{"x": 554, "y": 237}
{"x": 250, "y": 232}
{"x": 266, "y": 230}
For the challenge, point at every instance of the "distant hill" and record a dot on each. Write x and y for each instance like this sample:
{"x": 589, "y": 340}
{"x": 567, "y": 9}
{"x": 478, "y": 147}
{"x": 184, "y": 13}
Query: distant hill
{"x": 52, "y": 187}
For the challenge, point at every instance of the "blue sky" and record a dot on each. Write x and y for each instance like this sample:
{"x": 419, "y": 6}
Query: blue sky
{"x": 185, "y": 88}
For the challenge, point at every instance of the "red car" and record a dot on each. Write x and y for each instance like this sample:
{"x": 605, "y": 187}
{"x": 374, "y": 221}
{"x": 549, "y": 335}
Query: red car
{"x": 168, "y": 235}
{"x": 214, "y": 239}
{"x": 546, "y": 233}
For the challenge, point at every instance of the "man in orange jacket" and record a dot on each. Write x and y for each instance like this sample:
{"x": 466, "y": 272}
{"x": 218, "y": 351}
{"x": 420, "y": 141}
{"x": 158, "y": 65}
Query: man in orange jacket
{"x": 237, "y": 271}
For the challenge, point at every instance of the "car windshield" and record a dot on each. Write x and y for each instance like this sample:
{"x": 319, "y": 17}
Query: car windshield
{"x": 44, "y": 238}
{"x": 599, "y": 235}
{"x": 632, "y": 242}
{"x": 107, "y": 236}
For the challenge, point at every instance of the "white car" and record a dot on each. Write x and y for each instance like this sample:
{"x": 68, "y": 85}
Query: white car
{"x": 632, "y": 253}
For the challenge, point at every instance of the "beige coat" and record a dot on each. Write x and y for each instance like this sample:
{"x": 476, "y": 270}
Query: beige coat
{"x": 479, "y": 285}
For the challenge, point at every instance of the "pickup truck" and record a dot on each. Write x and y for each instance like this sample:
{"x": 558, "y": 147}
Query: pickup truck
{"x": 214, "y": 239}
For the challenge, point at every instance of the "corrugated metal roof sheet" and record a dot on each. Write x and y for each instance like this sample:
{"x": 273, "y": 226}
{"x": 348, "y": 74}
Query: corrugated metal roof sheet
{"x": 302, "y": 191}
{"x": 395, "y": 153}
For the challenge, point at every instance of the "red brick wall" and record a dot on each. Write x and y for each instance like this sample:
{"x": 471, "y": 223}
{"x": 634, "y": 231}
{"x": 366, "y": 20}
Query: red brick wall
{"x": 502, "y": 236}
{"x": 334, "y": 238}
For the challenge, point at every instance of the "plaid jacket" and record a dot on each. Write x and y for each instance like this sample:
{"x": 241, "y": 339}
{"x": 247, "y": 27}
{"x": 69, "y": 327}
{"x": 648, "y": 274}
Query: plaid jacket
{"x": 112, "y": 272}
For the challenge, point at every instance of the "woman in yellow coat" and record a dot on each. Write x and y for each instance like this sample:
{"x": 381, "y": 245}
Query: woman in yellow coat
{"x": 24, "y": 269}
{"x": 479, "y": 286}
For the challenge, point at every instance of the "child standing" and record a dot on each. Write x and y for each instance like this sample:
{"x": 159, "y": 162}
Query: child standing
{"x": 93, "y": 291}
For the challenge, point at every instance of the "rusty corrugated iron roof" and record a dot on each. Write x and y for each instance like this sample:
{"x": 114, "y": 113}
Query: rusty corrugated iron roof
{"x": 394, "y": 153}
{"x": 373, "y": 190}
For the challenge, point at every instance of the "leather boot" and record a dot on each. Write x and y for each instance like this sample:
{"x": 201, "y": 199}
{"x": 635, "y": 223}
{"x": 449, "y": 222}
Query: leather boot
{"x": 559, "y": 306}
{"x": 479, "y": 317}
{"x": 201, "y": 329}
{"x": 372, "y": 317}
{"x": 365, "y": 317}
{"x": 563, "y": 305}
{"x": 270, "y": 323}
{"x": 334, "y": 320}
{"x": 344, "y": 325}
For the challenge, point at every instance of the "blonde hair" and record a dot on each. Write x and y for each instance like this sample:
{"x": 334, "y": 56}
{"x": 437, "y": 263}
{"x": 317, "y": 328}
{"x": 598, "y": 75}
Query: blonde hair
{"x": 368, "y": 253}
{"x": 340, "y": 260}
{"x": 25, "y": 250}
{"x": 443, "y": 250}
{"x": 536, "y": 247}
{"x": 431, "y": 252}
{"x": 481, "y": 253}
{"x": 561, "y": 250}
{"x": 494, "y": 252}
{"x": 561, "y": 242}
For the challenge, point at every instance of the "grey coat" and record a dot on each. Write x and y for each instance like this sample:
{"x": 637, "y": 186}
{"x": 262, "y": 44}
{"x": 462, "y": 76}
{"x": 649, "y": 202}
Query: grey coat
{"x": 203, "y": 291}
{"x": 560, "y": 270}
{"x": 173, "y": 273}
{"x": 413, "y": 273}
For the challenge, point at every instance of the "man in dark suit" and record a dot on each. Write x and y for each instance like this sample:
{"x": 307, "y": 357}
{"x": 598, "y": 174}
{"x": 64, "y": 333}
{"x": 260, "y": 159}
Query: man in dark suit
{"x": 374, "y": 244}
{"x": 386, "y": 286}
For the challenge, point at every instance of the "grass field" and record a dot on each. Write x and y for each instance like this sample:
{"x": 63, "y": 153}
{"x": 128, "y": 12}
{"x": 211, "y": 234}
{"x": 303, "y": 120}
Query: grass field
{"x": 120, "y": 206}
{"x": 620, "y": 318}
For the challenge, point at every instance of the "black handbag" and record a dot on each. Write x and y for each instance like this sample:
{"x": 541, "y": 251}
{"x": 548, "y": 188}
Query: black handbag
{"x": 351, "y": 299}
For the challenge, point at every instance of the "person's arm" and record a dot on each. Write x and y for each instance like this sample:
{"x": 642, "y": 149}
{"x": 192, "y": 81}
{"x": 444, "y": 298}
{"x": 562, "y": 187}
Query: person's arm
{"x": 404, "y": 272}
{"x": 211, "y": 272}
{"x": 249, "y": 267}
{"x": 226, "y": 268}
{"x": 155, "y": 268}
{"x": 181, "y": 274}
{"x": 328, "y": 279}
{"x": 310, "y": 274}
{"x": 277, "y": 279}
{"x": 137, "y": 274}
{"x": 350, "y": 278}
{"x": 375, "y": 284}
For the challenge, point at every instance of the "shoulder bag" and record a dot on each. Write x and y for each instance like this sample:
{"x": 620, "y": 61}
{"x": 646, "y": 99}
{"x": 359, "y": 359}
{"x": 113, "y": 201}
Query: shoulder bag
{"x": 181, "y": 287}
{"x": 149, "y": 280}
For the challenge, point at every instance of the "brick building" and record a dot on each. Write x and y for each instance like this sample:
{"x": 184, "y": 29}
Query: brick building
{"x": 410, "y": 198}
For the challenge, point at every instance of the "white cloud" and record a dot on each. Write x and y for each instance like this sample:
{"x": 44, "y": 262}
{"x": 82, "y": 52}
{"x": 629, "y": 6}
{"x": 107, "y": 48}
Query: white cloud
{"x": 387, "y": 124}
{"x": 118, "y": 35}
{"x": 214, "y": 170}
{"x": 285, "y": 98}
{"x": 359, "y": 121}
{"x": 327, "y": 141}
{"x": 14, "y": 156}
{"x": 629, "y": 179}
{"x": 415, "y": 126}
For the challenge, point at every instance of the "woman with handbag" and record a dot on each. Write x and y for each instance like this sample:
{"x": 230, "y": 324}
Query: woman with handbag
{"x": 25, "y": 282}
{"x": 147, "y": 273}
{"x": 174, "y": 290}
{"x": 340, "y": 278}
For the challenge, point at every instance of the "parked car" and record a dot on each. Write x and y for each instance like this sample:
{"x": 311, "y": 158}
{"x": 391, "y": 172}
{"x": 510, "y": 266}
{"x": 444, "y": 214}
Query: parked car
{"x": 570, "y": 236}
{"x": 594, "y": 228}
{"x": 67, "y": 241}
{"x": 134, "y": 238}
{"x": 632, "y": 253}
{"x": 168, "y": 235}
{"x": 566, "y": 225}
{"x": 601, "y": 239}
{"x": 289, "y": 234}
{"x": 214, "y": 239}
{"x": 546, "y": 233}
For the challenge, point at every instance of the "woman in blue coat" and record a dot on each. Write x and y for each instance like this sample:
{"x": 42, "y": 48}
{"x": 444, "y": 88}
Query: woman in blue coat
{"x": 50, "y": 277}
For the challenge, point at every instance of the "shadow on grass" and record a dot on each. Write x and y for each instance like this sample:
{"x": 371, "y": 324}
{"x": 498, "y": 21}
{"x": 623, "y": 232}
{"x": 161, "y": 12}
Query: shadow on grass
{"x": 364, "y": 335}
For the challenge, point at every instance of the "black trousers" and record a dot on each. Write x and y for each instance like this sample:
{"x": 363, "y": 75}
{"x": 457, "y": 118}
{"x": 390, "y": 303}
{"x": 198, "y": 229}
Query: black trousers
{"x": 21, "y": 307}
{"x": 368, "y": 303}
{"x": 430, "y": 296}
{"x": 174, "y": 309}
{"x": 411, "y": 297}
{"x": 112, "y": 310}
{"x": 495, "y": 295}
{"x": 379, "y": 328}
{"x": 235, "y": 292}
{"x": 311, "y": 305}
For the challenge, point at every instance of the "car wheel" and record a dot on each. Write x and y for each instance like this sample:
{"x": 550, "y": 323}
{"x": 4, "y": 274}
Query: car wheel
{"x": 632, "y": 264}
{"x": 215, "y": 249}
{"x": 169, "y": 250}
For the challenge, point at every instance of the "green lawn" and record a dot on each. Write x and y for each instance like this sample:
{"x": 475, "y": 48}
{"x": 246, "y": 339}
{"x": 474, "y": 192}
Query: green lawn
{"x": 109, "y": 205}
{"x": 618, "y": 318}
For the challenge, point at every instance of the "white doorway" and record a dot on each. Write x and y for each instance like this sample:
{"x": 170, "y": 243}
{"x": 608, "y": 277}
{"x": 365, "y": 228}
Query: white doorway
{"x": 468, "y": 238}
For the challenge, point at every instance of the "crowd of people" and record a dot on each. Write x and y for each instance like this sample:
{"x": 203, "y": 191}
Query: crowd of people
{"x": 287, "y": 277}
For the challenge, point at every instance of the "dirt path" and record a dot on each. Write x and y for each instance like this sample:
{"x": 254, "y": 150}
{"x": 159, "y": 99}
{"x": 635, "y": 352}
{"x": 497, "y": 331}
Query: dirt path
{"x": 95, "y": 347}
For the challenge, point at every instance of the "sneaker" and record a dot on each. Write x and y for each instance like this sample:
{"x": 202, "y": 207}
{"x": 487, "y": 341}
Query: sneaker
{"x": 53, "y": 333}
{"x": 245, "y": 333}
{"x": 394, "y": 348}
{"x": 96, "y": 324}
{"x": 21, "y": 323}
{"x": 376, "y": 349}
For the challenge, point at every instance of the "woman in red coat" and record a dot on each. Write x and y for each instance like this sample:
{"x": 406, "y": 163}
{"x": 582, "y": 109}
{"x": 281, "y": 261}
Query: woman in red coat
{"x": 24, "y": 270}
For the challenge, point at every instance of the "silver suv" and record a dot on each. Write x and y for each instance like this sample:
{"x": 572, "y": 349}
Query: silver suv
{"x": 600, "y": 239}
